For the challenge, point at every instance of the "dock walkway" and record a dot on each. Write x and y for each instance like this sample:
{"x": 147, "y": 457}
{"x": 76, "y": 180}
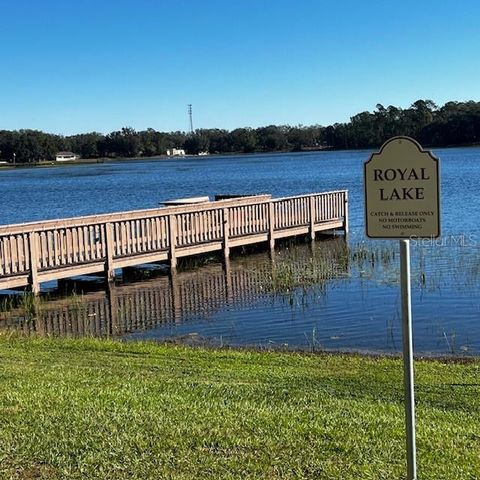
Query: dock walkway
{"x": 37, "y": 252}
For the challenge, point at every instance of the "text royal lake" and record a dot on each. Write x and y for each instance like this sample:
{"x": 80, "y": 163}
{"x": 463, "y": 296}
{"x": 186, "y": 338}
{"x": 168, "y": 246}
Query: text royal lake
{"x": 332, "y": 295}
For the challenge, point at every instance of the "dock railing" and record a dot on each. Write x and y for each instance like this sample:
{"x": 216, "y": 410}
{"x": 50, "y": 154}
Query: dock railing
{"x": 36, "y": 252}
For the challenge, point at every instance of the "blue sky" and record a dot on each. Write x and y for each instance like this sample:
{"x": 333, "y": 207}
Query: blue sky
{"x": 76, "y": 66}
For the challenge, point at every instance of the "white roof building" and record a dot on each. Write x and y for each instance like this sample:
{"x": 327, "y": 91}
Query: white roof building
{"x": 66, "y": 156}
{"x": 175, "y": 152}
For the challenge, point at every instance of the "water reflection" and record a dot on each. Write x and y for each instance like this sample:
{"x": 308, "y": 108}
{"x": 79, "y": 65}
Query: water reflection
{"x": 151, "y": 298}
{"x": 321, "y": 296}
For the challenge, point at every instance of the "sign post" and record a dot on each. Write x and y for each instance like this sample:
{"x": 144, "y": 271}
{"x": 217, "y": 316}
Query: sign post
{"x": 408, "y": 378}
{"x": 402, "y": 201}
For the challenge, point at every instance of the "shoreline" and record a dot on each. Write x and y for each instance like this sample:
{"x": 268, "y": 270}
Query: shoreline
{"x": 102, "y": 160}
{"x": 195, "y": 342}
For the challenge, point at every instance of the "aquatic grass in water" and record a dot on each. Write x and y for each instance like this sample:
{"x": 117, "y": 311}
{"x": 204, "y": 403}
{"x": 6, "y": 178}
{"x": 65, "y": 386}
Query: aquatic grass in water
{"x": 313, "y": 342}
{"x": 327, "y": 261}
{"x": 333, "y": 260}
{"x": 373, "y": 262}
{"x": 306, "y": 279}
{"x": 26, "y": 304}
{"x": 432, "y": 268}
{"x": 28, "y": 307}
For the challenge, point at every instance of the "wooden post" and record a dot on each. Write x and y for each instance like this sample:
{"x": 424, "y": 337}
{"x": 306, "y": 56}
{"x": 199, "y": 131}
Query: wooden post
{"x": 226, "y": 233}
{"x": 110, "y": 247}
{"x": 33, "y": 244}
{"x": 172, "y": 228}
{"x": 345, "y": 214}
{"x": 271, "y": 225}
{"x": 312, "y": 217}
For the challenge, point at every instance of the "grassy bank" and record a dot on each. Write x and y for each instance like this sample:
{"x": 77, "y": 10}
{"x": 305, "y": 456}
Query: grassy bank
{"x": 98, "y": 409}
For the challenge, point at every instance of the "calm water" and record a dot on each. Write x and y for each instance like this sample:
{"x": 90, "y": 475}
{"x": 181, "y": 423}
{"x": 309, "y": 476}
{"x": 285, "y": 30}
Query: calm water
{"x": 354, "y": 306}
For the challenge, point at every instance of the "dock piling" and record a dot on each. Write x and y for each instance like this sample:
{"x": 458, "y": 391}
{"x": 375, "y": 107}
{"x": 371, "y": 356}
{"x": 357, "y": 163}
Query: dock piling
{"x": 110, "y": 250}
{"x": 33, "y": 247}
{"x": 312, "y": 217}
{"x": 226, "y": 233}
{"x": 271, "y": 225}
{"x": 172, "y": 224}
{"x": 345, "y": 215}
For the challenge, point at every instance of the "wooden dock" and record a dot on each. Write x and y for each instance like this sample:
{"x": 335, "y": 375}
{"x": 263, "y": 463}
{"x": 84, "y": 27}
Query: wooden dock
{"x": 32, "y": 253}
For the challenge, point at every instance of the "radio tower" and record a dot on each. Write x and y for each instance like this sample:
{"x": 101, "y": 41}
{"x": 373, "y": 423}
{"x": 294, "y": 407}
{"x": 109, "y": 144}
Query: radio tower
{"x": 190, "y": 118}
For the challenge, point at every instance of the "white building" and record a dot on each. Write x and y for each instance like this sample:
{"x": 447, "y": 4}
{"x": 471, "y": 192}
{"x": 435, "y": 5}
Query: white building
{"x": 66, "y": 156}
{"x": 175, "y": 152}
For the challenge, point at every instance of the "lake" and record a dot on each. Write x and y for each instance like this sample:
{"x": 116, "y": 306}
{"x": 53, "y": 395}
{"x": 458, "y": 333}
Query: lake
{"x": 348, "y": 300}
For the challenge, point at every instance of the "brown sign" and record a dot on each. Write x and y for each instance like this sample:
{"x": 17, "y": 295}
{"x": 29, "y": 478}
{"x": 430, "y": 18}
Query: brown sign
{"x": 402, "y": 191}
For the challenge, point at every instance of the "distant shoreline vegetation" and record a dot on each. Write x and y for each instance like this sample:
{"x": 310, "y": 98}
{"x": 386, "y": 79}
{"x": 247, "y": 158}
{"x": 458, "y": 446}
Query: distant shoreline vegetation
{"x": 453, "y": 124}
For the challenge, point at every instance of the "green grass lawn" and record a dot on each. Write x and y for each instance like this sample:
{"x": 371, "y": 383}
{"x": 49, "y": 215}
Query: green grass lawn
{"x": 99, "y": 409}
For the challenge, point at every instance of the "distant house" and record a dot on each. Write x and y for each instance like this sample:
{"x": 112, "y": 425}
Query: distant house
{"x": 175, "y": 152}
{"x": 66, "y": 156}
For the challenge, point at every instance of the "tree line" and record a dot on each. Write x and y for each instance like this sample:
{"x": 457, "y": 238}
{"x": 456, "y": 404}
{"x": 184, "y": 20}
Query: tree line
{"x": 455, "y": 123}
